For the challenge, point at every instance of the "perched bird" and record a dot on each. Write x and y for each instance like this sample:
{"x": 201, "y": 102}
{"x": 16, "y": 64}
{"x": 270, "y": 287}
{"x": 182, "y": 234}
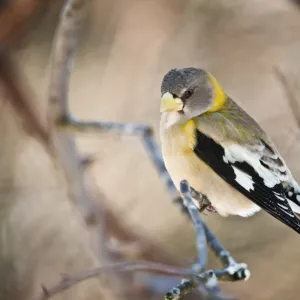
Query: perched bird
{"x": 221, "y": 151}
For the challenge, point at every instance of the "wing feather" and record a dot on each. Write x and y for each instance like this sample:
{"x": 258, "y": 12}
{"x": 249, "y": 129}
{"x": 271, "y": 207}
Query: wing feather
{"x": 257, "y": 172}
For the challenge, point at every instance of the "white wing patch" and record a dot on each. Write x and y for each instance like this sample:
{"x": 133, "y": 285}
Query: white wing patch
{"x": 279, "y": 197}
{"x": 282, "y": 206}
{"x": 286, "y": 209}
{"x": 294, "y": 206}
{"x": 235, "y": 153}
{"x": 243, "y": 179}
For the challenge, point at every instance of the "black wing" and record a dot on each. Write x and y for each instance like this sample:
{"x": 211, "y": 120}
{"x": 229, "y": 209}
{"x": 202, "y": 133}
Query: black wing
{"x": 271, "y": 199}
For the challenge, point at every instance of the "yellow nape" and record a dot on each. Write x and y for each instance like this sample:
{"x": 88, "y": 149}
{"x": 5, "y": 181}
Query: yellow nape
{"x": 219, "y": 95}
{"x": 189, "y": 129}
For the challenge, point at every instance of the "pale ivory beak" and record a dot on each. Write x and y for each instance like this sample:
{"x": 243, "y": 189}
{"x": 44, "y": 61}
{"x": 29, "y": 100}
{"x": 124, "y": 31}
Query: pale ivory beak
{"x": 170, "y": 104}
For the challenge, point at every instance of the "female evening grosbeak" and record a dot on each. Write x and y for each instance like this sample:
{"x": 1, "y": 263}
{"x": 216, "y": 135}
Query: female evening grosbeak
{"x": 221, "y": 151}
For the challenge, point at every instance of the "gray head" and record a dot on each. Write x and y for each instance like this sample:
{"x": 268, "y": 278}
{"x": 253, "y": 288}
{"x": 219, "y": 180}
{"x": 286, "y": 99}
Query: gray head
{"x": 190, "y": 92}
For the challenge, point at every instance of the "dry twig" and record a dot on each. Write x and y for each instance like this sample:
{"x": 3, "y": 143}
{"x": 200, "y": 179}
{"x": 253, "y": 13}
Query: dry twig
{"x": 64, "y": 146}
{"x": 232, "y": 271}
{"x": 67, "y": 281}
{"x": 198, "y": 224}
{"x": 143, "y": 131}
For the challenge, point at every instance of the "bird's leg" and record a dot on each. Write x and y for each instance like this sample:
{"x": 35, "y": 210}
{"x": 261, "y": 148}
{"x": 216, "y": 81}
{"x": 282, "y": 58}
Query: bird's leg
{"x": 202, "y": 200}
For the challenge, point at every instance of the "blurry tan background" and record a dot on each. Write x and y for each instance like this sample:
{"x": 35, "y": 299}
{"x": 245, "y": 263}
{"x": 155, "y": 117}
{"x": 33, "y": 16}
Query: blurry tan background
{"x": 125, "y": 49}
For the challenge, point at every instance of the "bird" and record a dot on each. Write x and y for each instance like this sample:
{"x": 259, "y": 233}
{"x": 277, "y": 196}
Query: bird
{"x": 223, "y": 153}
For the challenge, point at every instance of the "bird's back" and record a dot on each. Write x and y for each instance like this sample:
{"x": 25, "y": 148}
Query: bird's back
{"x": 231, "y": 124}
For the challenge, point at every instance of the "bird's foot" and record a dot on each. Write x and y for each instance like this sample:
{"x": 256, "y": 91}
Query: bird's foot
{"x": 199, "y": 197}
{"x": 210, "y": 208}
{"x": 207, "y": 208}
{"x": 202, "y": 201}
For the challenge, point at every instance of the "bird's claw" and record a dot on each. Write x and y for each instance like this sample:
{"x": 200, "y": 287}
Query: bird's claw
{"x": 207, "y": 208}
{"x": 210, "y": 208}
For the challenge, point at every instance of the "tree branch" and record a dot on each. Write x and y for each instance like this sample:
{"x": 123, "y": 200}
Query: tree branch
{"x": 64, "y": 146}
{"x": 68, "y": 281}
{"x": 199, "y": 228}
{"x": 232, "y": 270}
{"x": 143, "y": 131}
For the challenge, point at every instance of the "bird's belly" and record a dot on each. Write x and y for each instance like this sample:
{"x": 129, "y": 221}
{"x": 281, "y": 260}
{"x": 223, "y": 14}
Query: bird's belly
{"x": 225, "y": 199}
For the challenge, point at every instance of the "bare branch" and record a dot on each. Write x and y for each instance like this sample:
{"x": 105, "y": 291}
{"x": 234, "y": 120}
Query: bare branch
{"x": 62, "y": 57}
{"x": 232, "y": 271}
{"x": 196, "y": 219}
{"x": 68, "y": 281}
{"x": 207, "y": 277}
{"x": 145, "y": 132}
{"x": 63, "y": 51}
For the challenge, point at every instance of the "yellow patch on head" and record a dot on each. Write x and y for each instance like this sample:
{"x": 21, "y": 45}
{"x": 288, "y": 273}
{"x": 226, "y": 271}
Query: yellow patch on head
{"x": 189, "y": 130}
{"x": 219, "y": 95}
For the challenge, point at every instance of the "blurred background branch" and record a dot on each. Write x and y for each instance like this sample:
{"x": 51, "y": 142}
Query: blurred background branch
{"x": 15, "y": 91}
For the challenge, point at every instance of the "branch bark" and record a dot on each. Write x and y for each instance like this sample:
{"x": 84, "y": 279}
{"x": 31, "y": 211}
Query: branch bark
{"x": 62, "y": 55}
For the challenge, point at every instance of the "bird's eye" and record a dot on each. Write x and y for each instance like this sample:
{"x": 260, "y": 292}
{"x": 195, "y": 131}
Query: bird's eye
{"x": 187, "y": 94}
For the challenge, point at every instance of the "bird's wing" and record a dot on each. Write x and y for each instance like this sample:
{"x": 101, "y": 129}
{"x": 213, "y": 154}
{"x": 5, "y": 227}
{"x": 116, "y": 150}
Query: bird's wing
{"x": 256, "y": 171}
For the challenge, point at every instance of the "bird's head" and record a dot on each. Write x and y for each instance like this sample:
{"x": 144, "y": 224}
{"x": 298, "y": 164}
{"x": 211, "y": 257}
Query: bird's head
{"x": 190, "y": 92}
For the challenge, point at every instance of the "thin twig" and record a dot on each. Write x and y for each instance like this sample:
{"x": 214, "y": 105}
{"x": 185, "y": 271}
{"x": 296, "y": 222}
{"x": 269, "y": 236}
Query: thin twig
{"x": 65, "y": 42}
{"x": 75, "y": 126}
{"x": 218, "y": 249}
{"x": 145, "y": 132}
{"x": 62, "y": 58}
{"x": 232, "y": 271}
{"x": 196, "y": 219}
{"x": 185, "y": 287}
{"x": 67, "y": 281}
